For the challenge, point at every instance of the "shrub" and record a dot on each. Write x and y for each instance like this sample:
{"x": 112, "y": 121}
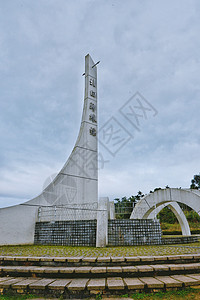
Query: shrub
{"x": 192, "y": 216}
{"x": 167, "y": 216}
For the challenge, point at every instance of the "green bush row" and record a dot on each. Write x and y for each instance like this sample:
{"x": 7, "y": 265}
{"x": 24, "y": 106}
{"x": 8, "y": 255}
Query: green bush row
{"x": 176, "y": 232}
{"x": 167, "y": 216}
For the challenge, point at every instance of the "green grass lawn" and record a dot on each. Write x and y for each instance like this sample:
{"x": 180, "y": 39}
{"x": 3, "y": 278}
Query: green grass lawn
{"x": 189, "y": 293}
{"x": 34, "y": 250}
{"x": 16, "y": 297}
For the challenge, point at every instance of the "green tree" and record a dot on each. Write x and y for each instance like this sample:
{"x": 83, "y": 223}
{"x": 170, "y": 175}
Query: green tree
{"x": 157, "y": 189}
{"x": 195, "y": 182}
{"x": 167, "y": 216}
{"x": 139, "y": 196}
{"x": 124, "y": 206}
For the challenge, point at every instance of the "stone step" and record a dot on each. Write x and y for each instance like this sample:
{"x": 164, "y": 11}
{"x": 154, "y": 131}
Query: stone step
{"x": 85, "y": 287}
{"x": 101, "y": 272}
{"x": 97, "y": 261}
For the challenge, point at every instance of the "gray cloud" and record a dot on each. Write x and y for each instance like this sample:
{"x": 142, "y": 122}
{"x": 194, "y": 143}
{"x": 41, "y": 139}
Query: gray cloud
{"x": 150, "y": 47}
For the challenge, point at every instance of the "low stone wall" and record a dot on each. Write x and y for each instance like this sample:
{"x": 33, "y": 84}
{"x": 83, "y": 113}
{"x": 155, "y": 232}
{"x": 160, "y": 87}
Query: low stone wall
{"x": 180, "y": 240}
{"x": 70, "y": 233}
{"x": 134, "y": 232}
{"x": 120, "y": 233}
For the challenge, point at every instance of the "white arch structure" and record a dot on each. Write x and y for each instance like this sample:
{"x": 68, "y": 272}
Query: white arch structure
{"x": 176, "y": 209}
{"x": 150, "y": 205}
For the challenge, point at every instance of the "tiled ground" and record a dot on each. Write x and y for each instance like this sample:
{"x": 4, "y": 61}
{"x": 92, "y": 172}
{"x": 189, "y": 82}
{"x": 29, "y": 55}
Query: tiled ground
{"x": 34, "y": 250}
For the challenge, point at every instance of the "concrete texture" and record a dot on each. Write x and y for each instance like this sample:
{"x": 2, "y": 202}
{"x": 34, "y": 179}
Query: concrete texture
{"x": 102, "y": 223}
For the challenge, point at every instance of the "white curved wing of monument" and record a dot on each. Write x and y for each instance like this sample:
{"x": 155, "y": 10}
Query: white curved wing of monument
{"x": 176, "y": 209}
{"x": 76, "y": 185}
{"x": 170, "y": 196}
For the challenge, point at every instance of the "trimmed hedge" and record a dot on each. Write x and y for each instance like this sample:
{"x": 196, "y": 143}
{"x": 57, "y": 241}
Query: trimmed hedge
{"x": 176, "y": 232}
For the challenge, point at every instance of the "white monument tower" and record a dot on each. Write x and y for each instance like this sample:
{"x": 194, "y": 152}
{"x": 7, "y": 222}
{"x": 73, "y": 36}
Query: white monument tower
{"x": 73, "y": 194}
{"x": 77, "y": 182}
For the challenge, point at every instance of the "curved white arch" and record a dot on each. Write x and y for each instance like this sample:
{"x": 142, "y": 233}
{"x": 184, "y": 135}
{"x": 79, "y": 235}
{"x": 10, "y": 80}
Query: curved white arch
{"x": 148, "y": 203}
{"x": 176, "y": 209}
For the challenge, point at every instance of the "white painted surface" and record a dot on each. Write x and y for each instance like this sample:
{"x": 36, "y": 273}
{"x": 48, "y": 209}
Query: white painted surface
{"x": 102, "y": 223}
{"x": 111, "y": 210}
{"x": 17, "y": 225}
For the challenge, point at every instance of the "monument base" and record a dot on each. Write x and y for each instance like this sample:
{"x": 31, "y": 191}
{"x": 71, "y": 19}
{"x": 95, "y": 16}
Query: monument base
{"x": 134, "y": 232}
{"x": 66, "y": 233}
{"x": 85, "y": 232}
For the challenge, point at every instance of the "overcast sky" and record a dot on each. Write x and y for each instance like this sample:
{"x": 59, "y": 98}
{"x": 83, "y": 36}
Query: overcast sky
{"x": 150, "y": 47}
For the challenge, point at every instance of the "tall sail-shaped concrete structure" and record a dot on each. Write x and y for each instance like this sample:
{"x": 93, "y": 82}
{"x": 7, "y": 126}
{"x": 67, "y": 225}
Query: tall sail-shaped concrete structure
{"x": 74, "y": 191}
{"x": 77, "y": 182}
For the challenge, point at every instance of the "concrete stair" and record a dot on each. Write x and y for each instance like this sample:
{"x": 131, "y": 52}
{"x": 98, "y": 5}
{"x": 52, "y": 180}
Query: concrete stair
{"x": 86, "y": 276}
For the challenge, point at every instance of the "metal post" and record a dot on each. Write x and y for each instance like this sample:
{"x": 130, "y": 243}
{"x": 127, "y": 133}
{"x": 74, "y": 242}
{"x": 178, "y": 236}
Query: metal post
{"x": 39, "y": 214}
{"x": 54, "y": 213}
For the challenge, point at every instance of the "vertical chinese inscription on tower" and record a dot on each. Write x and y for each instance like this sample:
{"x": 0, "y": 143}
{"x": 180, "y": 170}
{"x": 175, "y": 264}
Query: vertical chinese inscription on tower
{"x": 92, "y": 106}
